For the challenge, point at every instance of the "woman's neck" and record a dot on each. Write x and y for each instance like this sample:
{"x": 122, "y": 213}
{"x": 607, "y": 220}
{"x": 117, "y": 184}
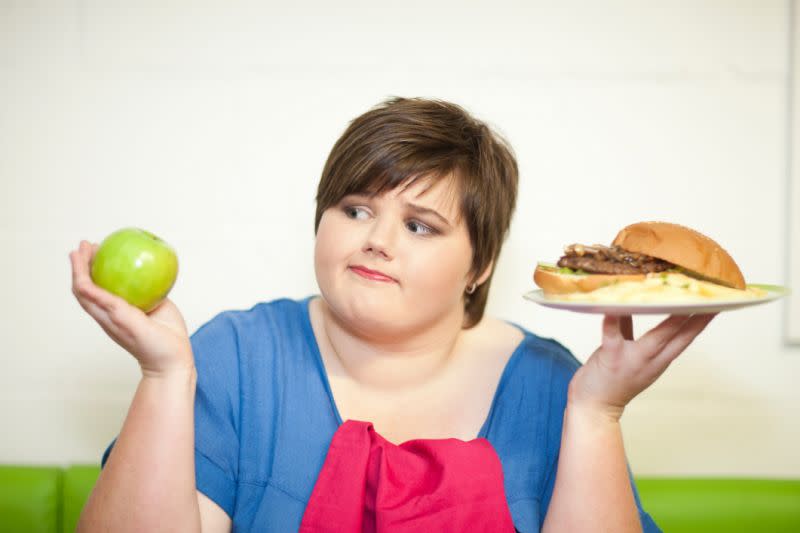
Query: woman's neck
{"x": 390, "y": 363}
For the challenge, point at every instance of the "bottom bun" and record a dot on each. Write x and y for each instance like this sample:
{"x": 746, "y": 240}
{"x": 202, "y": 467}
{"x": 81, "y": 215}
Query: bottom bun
{"x": 554, "y": 282}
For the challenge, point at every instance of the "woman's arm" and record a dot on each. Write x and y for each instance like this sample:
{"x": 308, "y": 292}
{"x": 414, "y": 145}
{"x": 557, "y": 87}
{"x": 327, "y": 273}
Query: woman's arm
{"x": 148, "y": 482}
{"x": 592, "y": 490}
{"x": 213, "y": 518}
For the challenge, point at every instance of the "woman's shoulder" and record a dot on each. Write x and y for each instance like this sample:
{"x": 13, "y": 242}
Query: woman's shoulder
{"x": 534, "y": 352}
{"x": 530, "y": 400}
{"x": 278, "y": 308}
{"x": 540, "y": 347}
{"x": 264, "y": 316}
{"x": 263, "y": 328}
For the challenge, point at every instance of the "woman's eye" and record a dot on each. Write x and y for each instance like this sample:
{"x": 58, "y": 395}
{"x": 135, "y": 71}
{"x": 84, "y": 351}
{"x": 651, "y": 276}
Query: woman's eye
{"x": 356, "y": 213}
{"x": 419, "y": 228}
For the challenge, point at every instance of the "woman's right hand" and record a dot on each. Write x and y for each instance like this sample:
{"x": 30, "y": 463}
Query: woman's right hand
{"x": 158, "y": 340}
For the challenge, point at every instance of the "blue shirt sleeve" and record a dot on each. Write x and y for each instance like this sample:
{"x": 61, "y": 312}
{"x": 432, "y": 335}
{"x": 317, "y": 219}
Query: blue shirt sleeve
{"x": 216, "y": 411}
{"x": 216, "y": 348}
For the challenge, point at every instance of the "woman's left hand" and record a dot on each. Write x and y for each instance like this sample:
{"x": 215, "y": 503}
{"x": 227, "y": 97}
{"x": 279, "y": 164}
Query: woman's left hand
{"x": 622, "y": 367}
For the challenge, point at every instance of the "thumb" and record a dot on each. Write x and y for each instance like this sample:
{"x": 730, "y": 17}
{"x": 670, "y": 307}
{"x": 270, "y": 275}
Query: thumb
{"x": 617, "y": 329}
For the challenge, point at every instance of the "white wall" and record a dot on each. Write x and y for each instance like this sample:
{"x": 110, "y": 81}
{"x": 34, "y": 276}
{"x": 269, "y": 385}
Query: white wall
{"x": 209, "y": 126}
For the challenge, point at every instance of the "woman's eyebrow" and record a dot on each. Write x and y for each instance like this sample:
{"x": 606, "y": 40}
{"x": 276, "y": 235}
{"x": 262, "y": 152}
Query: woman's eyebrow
{"x": 427, "y": 211}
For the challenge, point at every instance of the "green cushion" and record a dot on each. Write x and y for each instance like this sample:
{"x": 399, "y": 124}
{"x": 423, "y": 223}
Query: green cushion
{"x": 730, "y": 505}
{"x": 78, "y": 483}
{"x": 30, "y": 499}
{"x": 50, "y": 499}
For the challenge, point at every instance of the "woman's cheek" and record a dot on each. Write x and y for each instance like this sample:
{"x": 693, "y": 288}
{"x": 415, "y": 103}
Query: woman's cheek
{"x": 326, "y": 255}
{"x": 438, "y": 271}
{"x": 332, "y": 239}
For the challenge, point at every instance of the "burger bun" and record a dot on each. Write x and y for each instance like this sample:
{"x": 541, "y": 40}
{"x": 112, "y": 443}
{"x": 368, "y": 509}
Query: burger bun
{"x": 553, "y": 281}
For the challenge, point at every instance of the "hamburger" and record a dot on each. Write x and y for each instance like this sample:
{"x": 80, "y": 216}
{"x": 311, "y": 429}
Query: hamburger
{"x": 647, "y": 262}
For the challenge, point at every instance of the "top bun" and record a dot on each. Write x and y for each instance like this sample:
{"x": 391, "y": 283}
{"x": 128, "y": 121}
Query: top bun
{"x": 683, "y": 247}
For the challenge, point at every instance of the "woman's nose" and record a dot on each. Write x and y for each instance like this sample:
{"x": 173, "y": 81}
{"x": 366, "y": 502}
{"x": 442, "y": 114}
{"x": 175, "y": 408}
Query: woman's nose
{"x": 380, "y": 239}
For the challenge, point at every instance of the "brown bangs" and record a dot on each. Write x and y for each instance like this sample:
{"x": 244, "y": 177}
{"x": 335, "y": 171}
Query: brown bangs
{"x": 376, "y": 158}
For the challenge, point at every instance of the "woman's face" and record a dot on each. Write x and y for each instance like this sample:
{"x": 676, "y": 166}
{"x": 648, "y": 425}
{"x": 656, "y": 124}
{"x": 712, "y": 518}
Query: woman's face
{"x": 395, "y": 264}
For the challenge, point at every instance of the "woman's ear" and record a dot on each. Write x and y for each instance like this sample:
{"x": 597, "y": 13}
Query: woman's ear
{"x": 485, "y": 274}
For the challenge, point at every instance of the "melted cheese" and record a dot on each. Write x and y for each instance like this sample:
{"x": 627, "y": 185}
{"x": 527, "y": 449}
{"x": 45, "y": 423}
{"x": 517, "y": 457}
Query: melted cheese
{"x": 663, "y": 287}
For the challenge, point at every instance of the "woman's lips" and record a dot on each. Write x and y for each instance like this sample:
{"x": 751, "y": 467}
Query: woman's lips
{"x": 374, "y": 275}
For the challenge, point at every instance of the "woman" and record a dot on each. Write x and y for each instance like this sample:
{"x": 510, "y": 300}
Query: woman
{"x": 389, "y": 402}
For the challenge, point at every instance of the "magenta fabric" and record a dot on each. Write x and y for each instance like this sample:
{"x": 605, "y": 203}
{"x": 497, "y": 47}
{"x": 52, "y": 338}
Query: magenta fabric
{"x": 370, "y": 485}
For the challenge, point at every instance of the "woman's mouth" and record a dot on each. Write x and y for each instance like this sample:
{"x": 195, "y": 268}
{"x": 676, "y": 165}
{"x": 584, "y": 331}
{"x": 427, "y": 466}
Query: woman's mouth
{"x": 373, "y": 275}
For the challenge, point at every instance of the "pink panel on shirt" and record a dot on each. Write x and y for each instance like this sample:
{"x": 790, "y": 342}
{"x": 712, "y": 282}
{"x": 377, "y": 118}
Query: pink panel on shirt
{"x": 368, "y": 484}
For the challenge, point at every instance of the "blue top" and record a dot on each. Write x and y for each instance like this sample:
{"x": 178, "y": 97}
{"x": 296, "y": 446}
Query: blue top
{"x": 265, "y": 416}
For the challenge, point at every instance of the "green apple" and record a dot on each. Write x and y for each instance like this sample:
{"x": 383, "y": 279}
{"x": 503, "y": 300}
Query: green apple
{"x": 137, "y": 266}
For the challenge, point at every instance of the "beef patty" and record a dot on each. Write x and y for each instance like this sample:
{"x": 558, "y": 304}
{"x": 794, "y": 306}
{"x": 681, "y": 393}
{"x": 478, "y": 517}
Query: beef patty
{"x": 599, "y": 259}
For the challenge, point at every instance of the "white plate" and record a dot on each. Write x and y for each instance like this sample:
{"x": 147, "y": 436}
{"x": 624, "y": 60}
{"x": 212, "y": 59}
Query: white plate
{"x": 672, "y": 308}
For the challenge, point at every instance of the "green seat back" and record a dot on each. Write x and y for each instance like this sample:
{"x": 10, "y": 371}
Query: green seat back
{"x": 78, "y": 481}
{"x": 722, "y": 505}
{"x": 30, "y": 499}
{"x": 50, "y": 499}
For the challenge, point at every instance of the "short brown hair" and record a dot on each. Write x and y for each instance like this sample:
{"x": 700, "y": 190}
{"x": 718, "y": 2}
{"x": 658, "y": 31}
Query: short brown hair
{"x": 404, "y": 139}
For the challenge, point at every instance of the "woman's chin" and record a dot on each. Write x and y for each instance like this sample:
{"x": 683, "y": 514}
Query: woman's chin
{"x": 371, "y": 317}
{"x": 375, "y": 317}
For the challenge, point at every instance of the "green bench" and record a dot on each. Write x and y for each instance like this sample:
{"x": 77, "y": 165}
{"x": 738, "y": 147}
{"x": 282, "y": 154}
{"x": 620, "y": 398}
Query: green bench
{"x": 39, "y": 499}
{"x": 36, "y": 499}
{"x": 702, "y": 505}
